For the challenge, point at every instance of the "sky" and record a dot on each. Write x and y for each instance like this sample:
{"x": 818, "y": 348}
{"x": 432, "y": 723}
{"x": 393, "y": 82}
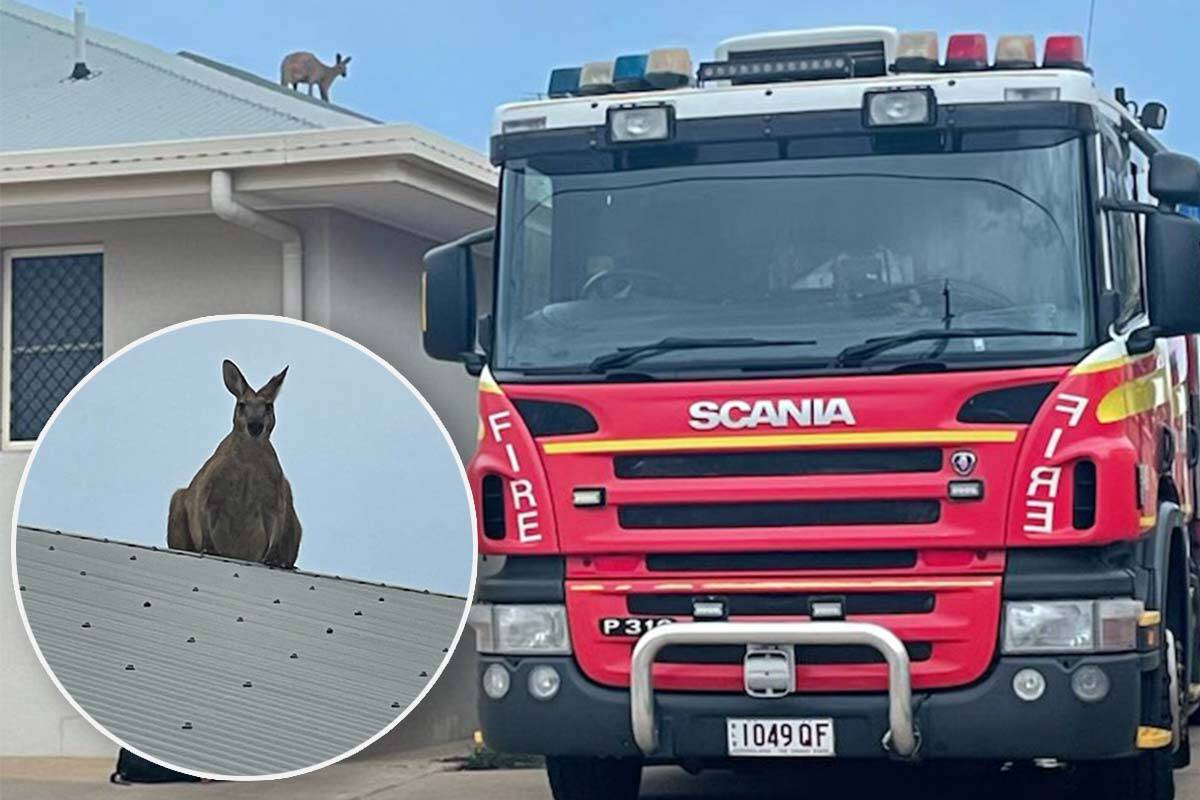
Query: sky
{"x": 446, "y": 65}
{"x": 377, "y": 487}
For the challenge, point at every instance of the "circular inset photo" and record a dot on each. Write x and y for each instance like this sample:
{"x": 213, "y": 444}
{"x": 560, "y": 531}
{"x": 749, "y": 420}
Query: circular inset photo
{"x": 244, "y": 547}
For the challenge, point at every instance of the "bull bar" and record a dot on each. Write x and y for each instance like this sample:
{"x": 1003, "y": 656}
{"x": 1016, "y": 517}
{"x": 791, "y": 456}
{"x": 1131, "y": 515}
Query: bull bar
{"x": 901, "y": 737}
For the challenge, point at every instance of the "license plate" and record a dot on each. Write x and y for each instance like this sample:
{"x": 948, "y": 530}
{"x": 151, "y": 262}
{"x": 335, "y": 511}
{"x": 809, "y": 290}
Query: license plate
{"x": 631, "y": 626}
{"x": 780, "y": 737}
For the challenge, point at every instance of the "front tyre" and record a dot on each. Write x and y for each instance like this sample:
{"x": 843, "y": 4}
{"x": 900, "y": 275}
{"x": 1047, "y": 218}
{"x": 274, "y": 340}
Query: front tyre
{"x": 583, "y": 778}
{"x": 1147, "y": 776}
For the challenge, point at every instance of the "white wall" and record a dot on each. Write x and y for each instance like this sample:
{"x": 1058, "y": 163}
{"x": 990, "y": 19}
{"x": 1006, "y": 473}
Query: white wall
{"x": 361, "y": 279}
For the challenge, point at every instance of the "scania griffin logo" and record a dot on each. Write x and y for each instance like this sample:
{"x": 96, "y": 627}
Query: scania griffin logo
{"x": 963, "y": 462}
{"x": 738, "y": 414}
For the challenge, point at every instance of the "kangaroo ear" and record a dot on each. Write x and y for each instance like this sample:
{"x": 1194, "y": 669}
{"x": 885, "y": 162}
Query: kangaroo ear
{"x": 235, "y": 382}
{"x": 337, "y": 58}
{"x": 346, "y": 60}
{"x": 271, "y": 388}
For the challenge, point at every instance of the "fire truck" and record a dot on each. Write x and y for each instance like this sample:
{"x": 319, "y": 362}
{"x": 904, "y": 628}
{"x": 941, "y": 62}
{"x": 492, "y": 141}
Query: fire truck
{"x": 838, "y": 399}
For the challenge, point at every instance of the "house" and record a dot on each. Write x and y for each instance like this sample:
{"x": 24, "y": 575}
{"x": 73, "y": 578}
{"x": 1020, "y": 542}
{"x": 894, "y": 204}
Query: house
{"x": 162, "y": 187}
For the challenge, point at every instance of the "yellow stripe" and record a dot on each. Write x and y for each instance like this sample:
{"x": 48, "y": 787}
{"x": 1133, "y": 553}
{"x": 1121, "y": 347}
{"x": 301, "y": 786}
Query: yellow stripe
{"x": 1149, "y": 738}
{"x": 1100, "y": 366}
{"x": 1149, "y": 618}
{"x": 1134, "y": 397}
{"x": 489, "y": 386}
{"x": 752, "y": 442}
{"x": 1148, "y": 522}
{"x": 1085, "y": 368}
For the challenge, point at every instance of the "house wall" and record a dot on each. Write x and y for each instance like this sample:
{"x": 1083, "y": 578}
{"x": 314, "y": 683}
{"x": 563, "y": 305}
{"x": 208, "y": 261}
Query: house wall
{"x": 361, "y": 279}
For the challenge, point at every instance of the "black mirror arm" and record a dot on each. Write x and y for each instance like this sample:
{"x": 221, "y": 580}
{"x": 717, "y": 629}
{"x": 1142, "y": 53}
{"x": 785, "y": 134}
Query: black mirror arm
{"x": 474, "y": 363}
{"x": 1126, "y": 206}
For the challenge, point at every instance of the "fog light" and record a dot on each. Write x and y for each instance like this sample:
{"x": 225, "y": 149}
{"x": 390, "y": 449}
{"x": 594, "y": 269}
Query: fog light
{"x": 639, "y": 124}
{"x": 496, "y": 681}
{"x": 1090, "y": 684}
{"x": 1029, "y": 685}
{"x": 901, "y": 107}
{"x": 544, "y": 682}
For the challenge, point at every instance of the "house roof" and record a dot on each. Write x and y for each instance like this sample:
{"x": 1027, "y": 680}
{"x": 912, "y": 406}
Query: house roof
{"x": 137, "y": 93}
{"x": 227, "y": 667}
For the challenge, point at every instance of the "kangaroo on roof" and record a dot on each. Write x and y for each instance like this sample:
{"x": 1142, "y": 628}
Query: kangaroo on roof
{"x": 239, "y": 505}
{"x": 302, "y": 67}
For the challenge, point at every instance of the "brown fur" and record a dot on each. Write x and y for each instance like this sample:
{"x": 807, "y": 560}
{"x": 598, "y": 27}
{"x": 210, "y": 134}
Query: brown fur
{"x": 239, "y": 505}
{"x": 298, "y": 68}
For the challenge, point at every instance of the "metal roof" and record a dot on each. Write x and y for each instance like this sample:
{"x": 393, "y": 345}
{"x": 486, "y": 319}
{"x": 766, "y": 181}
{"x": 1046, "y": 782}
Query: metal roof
{"x": 226, "y": 667}
{"x": 138, "y": 93}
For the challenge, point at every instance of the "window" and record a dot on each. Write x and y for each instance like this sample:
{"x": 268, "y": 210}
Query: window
{"x": 1123, "y": 241}
{"x": 53, "y": 332}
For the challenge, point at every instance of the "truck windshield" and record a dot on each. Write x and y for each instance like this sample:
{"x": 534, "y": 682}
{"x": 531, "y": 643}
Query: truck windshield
{"x": 819, "y": 254}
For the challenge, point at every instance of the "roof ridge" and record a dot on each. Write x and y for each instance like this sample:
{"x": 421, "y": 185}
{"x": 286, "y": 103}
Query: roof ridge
{"x": 238, "y": 561}
{"x": 129, "y": 48}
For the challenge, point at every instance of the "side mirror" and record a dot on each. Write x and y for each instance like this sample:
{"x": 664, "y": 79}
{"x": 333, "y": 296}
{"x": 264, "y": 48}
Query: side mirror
{"x": 1153, "y": 116}
{"x": 448, "y": 301}
{"x": 1173, "y": 273}
{"x": 1175, "y": 178}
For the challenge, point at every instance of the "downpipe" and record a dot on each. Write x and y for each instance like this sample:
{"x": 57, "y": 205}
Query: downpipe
{"x": 227, "y": 208}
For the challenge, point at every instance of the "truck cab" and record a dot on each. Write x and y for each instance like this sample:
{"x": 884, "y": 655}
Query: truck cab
{"x": 837, "y": 399}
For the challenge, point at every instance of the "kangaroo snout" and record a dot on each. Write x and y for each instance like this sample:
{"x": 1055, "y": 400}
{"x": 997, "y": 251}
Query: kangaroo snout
{"x": 255, "y": 428}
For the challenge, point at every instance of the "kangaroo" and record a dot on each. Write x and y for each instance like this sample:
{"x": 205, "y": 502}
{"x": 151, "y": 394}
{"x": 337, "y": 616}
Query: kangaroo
{"x": 239, "y": 504}
{"x": 298, "y": 68}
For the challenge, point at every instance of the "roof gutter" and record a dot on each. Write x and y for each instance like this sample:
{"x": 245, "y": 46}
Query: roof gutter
{"x": 227, "y": 207}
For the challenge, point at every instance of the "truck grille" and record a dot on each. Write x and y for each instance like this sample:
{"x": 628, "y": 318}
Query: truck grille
{"x": 775, "y": 561}
{"x": 734, "y": 654}
{"x": 789, "y": 604}
{"x": 778, "y": 514}
{"x": 790, "y": 462}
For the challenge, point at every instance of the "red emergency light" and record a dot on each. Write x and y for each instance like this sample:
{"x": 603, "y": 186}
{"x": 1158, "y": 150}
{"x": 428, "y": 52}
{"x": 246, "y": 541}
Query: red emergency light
{"x": 966, "y": 51}
{"x": 1065, "y": 52}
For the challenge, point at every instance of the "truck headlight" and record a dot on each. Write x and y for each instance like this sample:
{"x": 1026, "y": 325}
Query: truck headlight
{"x": 1071, "y": 626}
{"x": 520, "y": 629}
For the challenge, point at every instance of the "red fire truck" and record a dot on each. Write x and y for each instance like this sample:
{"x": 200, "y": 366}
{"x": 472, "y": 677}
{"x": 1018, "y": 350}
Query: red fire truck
{"x": 838, "y": 398}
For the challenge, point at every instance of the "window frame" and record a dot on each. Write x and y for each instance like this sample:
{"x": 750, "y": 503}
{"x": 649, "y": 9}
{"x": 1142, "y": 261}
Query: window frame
{"x": 6, "y": 442}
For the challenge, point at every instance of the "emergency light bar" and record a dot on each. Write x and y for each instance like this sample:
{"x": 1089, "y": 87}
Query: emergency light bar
{"x": 819, "y": 54}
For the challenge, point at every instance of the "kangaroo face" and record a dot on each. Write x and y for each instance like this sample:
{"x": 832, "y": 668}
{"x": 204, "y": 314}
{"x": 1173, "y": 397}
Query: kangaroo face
{"x": 254, "y": 413}
{"x": 339, "y": 64}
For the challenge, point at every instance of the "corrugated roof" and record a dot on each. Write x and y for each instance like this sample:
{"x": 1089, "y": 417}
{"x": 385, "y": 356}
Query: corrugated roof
{"x": 226, "y": 667}
{"x": 137, "y": 94}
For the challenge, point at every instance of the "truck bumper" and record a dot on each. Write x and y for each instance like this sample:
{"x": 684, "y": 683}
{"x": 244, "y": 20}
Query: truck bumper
{"x": 983, "y": 721}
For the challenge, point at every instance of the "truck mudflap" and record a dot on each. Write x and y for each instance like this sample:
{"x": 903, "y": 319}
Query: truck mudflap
{"x": 901, "y": 736}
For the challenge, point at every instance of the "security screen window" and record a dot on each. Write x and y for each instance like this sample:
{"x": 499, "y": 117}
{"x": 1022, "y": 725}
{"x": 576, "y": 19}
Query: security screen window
{"x": 54, "y": 332}
{"x": 780, "y": 241}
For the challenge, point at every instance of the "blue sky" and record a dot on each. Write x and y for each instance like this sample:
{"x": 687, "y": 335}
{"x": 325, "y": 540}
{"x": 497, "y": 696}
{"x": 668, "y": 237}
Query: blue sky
{"x": 445, "y": 65}
{"x": 376, "y": 486}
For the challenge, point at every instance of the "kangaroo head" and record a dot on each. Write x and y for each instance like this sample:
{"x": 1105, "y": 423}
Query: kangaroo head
{"x": 339, "y": 64}
{"x": 254, "y": 414}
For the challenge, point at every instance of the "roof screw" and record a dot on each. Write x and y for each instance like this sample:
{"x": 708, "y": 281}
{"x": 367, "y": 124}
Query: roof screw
{"x": 146, "y": 604}
{"x": 329, "y": 630}
{"x": 241, "y": 619}
{"x": 187, "y": 726}
{"x": 191, "y": 640}
{"x": 22, "y": 587}
{"x": 395, "y": 704}
{"x": 312, "y": 588}
{"x": 129, "y": 667}
{"x": 236, "y": 575}
{"x": 445, "y": 649}
{"x": 423, "y": 674}
{"x": 51, "y": 547}
{"x": 381, "y": 599}
{"x": 275, "y": 601}
{"x": 294, "y": 655}
{"x": 247, "y": 685}
{"x": 358, "y": 613}
{"x": 86, "y": 625}
{"x": 133, "y": 558}
{"x": 83, "y": 572}
{"x": 195, "y": 588}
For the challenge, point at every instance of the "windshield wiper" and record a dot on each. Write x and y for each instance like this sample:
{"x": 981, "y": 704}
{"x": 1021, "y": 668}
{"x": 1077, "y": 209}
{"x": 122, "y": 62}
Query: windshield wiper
{"x": 856, "y": 354}
{"x": 624, "y": 356}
